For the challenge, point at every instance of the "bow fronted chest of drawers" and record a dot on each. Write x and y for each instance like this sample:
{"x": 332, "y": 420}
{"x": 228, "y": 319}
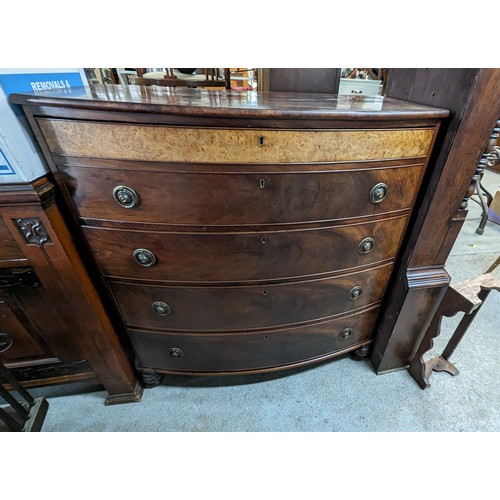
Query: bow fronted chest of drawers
{"x": 237, "y": 232}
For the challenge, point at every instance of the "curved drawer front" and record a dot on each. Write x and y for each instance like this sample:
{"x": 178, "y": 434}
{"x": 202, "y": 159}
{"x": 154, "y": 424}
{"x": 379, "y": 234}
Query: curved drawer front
{"x": 235, "y": 308}
{"x": 212, "y": 145}
{"x": 252, "y": 351}
{"x": 243, "y": 199}
{"x": 234, "y": 257}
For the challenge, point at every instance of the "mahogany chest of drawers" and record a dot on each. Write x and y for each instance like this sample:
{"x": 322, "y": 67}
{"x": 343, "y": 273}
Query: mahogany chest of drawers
{"x": 238, "y": 232}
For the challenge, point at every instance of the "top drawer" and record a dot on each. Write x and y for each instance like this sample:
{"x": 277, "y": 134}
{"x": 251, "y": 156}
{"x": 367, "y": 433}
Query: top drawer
{"x": 211, "y": 145}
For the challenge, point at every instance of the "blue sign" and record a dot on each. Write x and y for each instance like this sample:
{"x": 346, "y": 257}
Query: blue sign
{"x": 40, "y": 82}
{"x": 5, "y": 166}
{"x": 61, "y": 83}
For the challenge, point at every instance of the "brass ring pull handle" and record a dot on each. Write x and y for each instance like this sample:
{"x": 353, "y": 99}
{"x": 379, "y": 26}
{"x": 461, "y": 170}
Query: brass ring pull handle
{"x": 126, "y": 197}
{"x": 175, "y": 352}
{"x": 161, "y": 308}
{"x": 345, "y": 333}
{"x": 378, "y": 193}
{"x": 354, "y": 293}
{"x": 144, "y": 257}
{"x": 366, "y": 245}
{"x": 6, "y": 342}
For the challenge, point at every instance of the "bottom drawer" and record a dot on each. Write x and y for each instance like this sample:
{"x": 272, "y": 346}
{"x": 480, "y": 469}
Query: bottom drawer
{"x": 252, "y": 351}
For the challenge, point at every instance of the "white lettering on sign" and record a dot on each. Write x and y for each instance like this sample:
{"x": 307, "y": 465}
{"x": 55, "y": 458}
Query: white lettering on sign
{"x": 50, "y": 85}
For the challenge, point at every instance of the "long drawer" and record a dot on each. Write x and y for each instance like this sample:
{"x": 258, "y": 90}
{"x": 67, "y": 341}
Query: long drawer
{"x": 216, "y": 145}
{"x": 232, "y": 308}
{"x": 243, "y": 256}
{"x": 243, "y": 199}
{"x": 251, "y": 351}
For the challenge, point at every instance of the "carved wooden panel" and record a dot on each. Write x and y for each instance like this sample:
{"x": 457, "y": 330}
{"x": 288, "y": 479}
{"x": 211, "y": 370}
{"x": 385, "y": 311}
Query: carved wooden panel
{"x": 33, "y": 231}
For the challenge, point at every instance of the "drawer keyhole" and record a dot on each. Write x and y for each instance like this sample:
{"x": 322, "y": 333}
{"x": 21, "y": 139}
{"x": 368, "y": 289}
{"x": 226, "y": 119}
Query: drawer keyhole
{"x": 262, "y": 141}
{"x": 262, "y": 183}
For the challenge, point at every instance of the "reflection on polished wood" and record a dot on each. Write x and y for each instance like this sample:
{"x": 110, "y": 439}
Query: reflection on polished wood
{"x": 199, "y": 102}
{"x": 230, "y": 197}
{"x": 238, "y": 231}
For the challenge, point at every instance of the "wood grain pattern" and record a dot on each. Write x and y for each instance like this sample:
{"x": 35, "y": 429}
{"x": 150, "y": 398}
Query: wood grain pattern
{"x": 193, "y": 103}
{"x": 9, "y": 249}
{"x": 227, "y": 199}
{"x": 66, "y": 310}
{"x": 236, "y": 308}
{"x": 234, "y": 257}
{"x": 251, "y": 351}
{"x": 473, "y": 96}
{"x": 27, "y": 345}
{"x": 179, "y": 144}
{"x": 219, "y": 236}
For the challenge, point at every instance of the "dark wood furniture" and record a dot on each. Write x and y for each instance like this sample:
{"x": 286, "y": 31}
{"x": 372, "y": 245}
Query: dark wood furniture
{"x": 314, "y": 80}
{"x": 493, "y": 157}
{"x": 238, "y": 232}
{"x": 51, "y": 317}
{"x": 420, "y": 278}
{"x": 468, "y": 297}
{"x": 210, "y": 78}
{"x": 22, "y": 413}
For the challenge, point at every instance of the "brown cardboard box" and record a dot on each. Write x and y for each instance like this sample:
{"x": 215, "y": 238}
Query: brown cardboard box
{"x": 494, "y": 210}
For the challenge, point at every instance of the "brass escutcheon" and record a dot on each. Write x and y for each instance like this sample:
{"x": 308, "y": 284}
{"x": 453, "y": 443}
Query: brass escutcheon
{"x": 345, "y": 333}
{"x": 366, "y": 245}
{"x": 354, "y": 293}
{"x": 125, "y": 196}
{"x": 161, "y": 308}
{"x": 6, "y": 342}
{"x": 175, "y": 352}
{"x": 144, "y": 257}
{"x": 378, "y": 193}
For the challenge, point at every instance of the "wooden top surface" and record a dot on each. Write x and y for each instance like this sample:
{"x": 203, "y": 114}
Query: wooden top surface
{"x": 251, "y": 104}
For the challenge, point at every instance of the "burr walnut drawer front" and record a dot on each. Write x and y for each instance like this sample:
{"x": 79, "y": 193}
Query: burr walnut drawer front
{"x": 243, "y": 256}
{"x": 196, "y": 198}
{"x": 218, "y": 145}
{"x": 252, "y": 351}
{"x": 231, "y": 308}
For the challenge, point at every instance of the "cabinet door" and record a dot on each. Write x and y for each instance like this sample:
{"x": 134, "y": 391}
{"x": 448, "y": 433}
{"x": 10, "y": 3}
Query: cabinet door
{"x": 30, "y": 328}
{"x": 20, "y": 339}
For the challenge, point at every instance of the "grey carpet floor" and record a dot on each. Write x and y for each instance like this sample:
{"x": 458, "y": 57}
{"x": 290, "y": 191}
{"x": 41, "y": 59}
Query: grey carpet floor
{"x": 336, "y": 396}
